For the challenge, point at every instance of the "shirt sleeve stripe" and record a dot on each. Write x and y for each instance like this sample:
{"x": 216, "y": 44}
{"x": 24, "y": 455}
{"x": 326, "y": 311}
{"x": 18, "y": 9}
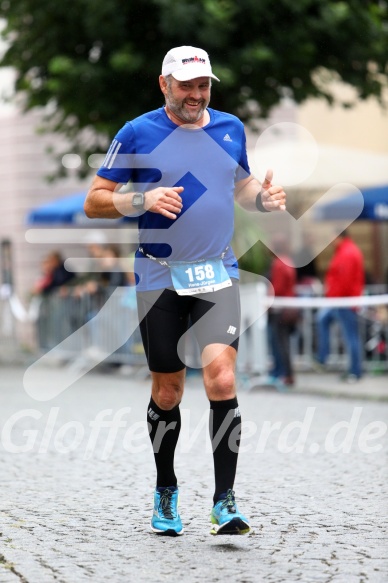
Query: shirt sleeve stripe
{"x": 113, "y": 154}
{"x": 108, "y": 152}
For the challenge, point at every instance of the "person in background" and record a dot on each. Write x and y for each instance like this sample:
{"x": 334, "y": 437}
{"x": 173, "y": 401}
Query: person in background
{"x": 305, "y": 263}
{"x": 54, "y": 275}
{"x": 112, "y": 273}
{"x": 282, "y": 321}
{"x": 51, "y": 287}
{"x": 108, "y": 319}
{"x": 89, "y": 282}
{"x": 345, "y": 277}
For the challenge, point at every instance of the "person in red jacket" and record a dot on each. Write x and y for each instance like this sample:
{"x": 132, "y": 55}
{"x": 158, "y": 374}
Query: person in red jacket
{"x": 345, "y": 277}
{"x": 282, "y": 275}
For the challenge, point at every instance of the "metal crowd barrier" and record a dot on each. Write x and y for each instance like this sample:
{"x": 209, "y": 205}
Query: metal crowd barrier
{"x": 100, "y": 326}
{"x": 8, "y": 327}
{"x": 104, "y": 327}
{"x": 373, "y": 329}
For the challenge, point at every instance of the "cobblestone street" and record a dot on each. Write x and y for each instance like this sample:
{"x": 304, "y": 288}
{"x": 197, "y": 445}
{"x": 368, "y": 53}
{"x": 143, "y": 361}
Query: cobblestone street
{"x": 77, "y": 485}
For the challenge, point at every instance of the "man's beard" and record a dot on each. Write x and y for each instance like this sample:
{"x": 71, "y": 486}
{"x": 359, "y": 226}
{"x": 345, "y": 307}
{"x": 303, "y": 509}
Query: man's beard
{"x": 177, "y": 108}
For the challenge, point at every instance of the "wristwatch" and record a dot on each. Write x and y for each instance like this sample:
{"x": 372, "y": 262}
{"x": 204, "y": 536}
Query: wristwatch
{"x": 138, "y": 201}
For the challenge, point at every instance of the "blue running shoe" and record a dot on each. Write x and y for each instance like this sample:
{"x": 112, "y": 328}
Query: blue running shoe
{"x": 226, "y": 518}
{"x": 166, "y": 519}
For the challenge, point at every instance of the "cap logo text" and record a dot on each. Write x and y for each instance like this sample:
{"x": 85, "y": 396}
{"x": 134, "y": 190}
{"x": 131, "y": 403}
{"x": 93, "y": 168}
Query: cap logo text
{"x": 193, "y": 60}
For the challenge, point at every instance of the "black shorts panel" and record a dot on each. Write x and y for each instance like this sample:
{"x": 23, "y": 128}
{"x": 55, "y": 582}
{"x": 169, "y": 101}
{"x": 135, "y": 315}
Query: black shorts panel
{"x": 165, "y": 316}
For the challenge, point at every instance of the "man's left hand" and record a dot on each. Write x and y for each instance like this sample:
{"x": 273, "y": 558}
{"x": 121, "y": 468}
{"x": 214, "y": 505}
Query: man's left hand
{"x": 273, "y": 197}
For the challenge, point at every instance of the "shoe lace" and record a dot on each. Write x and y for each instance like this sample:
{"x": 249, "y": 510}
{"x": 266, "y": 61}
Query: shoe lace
{"x": 165, "y": 504}
{"x": 229, "y": 502}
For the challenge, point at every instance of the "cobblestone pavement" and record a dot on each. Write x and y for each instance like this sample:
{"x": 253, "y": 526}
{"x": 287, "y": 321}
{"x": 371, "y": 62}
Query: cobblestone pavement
{"x": 76, "y": 488}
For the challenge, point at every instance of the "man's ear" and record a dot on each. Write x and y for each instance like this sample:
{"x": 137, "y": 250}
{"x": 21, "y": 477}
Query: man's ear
{"x": 163, "y": 84}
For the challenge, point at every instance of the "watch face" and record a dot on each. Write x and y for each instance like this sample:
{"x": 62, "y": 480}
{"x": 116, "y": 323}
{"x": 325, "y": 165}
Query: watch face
{"x": 138, "y": 200}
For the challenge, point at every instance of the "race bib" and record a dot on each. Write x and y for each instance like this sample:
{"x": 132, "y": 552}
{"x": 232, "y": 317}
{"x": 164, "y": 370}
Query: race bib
{"x": 199, "y": 277}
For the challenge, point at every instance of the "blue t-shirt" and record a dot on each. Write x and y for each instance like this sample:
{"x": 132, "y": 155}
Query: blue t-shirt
{"x": 152, "y": 151}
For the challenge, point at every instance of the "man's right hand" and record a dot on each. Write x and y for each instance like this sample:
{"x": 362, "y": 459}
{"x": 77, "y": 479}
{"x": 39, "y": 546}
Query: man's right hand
{"x": 165, "y": 201}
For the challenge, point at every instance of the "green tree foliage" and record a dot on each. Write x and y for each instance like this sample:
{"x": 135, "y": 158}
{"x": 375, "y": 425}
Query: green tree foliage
{"x": 96, "y": 62}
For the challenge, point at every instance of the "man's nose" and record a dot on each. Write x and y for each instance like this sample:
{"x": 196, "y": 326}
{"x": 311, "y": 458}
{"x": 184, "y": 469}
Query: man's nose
{"x": 195, "y": 93}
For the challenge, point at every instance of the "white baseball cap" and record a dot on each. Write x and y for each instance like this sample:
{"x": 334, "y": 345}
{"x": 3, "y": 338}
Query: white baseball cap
{"x": 185, "y": 63}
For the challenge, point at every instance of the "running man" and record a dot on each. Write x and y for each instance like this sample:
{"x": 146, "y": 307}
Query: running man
{"x": 188, "y": 163}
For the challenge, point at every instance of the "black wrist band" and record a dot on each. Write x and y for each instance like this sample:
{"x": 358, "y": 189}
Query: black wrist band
{"x": 259, "y": 204}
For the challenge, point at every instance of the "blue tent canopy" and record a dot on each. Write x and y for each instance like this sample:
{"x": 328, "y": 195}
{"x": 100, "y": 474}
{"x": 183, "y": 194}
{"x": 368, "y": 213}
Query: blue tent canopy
{"x": 68, "y": 210}
{"x": 375, "y": 206}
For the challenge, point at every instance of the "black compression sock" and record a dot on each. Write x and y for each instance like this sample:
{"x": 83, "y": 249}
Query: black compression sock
{"x": 164, "y": 427}
{"x": 225, "y": 433}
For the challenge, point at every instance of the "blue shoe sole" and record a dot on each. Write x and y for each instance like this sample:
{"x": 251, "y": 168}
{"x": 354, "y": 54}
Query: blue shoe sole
{"x": 234, "y": 526}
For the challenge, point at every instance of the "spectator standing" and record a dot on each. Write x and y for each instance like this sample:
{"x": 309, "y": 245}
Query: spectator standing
{"x": 54, "y": 275}
{"x": 108, "y": 325}
{"x": 89, "y": 283}
{"x": 282, "y": 321}
{"x": 305, "y": 263}
{"x": 51, "y": 329}
{"x": 345, "y": 277}
{"x": 112, "y": 273}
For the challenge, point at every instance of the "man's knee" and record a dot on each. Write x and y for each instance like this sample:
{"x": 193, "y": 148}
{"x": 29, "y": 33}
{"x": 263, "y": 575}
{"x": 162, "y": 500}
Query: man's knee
{"x": 167, "y": 391}
{"x": 220, "y": 385}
